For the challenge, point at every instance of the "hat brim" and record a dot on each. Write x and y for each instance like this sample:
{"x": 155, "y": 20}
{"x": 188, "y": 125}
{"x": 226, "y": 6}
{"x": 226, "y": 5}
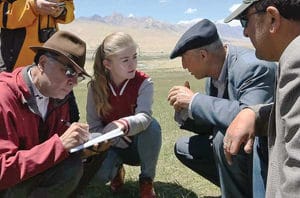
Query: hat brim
{"x": 236, "y": 14}
{"x": 73, "y": 63}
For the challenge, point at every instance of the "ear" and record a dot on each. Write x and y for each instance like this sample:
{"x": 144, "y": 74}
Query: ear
{"x": 275, "y": 19}
{"x": 42, "y": 61}
{"x": 106, "y": 64}
{"x": 203, "y": 53}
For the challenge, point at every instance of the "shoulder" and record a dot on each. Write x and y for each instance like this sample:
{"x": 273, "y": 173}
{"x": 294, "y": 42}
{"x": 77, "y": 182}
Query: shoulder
{"x": 141, "y": 75}
{"x": 242, "y": 60}
{"x": 291, "y": 53}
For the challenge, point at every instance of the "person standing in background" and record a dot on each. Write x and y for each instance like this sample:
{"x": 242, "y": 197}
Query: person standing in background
{"x": 29, "y": 23}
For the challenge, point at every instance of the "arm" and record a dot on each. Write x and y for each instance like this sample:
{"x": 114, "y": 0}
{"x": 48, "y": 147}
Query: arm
{"x": 180, "y": 98}
{"x": 23, "y": 13}
{"x": 22, "y": 155}
{"x": 253, "y": 86}
{"x": 19, "y": 165}
{"x": 244, "y": 127}
{"x": 285, "y": 139}
{"x": 142, "y": 118}
{"x": 92, "y": 118}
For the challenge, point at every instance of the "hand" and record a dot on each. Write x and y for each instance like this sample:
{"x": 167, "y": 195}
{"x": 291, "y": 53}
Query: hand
{"x": 114, "y": 125}
{"x": 96, "y": 149}
{"x": 76, "y": 134}
{"x": 241, "y": 130}
{"x": 48, "y": 7}
{"x": 180, "y": 96}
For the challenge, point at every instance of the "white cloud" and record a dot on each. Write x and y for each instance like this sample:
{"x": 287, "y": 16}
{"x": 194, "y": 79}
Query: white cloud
{"x": 190, "y": 11}
{"x": 130, "y": 15}
{"x": 190, "y": 22}
{"x": 234, "y": 7}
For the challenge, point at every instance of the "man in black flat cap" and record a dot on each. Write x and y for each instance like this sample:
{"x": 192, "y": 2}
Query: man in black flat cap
{"x": 35, "y": 130}
{"x": 235, "y": 80}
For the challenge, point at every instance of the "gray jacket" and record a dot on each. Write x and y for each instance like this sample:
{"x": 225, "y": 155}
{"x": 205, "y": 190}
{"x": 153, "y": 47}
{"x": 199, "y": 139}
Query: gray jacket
{"x": 284, "y": 127}
{"x": 249, "y": 81}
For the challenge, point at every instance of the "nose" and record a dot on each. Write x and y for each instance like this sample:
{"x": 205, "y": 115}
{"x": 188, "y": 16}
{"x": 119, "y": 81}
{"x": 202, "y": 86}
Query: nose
{"x": 72, "y": 81}
{"x": 245, "y": 32}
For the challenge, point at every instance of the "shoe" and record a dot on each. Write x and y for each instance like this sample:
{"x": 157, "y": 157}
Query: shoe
{"x": 117, "y": 183}
{"x": 146, "y": 188}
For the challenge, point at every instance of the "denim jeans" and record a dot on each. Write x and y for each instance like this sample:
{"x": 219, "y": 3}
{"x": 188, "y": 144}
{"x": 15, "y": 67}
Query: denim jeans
{"x": 204, "y": 154}
{"x": 260, "y": 166}
{"x": 143, "y": 151}
{"x": 58, "y": 181}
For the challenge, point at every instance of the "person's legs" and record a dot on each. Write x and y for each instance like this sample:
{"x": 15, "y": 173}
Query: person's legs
{"x": 58, "y": 181}
{"x": 196, "y": 152}
{"x": 235, "y": 179}
{"x": 148, "y": 147}
{"x": 144, "y": 150}
{"x": 108, "y": 169}
{"x": 260, "y": 166}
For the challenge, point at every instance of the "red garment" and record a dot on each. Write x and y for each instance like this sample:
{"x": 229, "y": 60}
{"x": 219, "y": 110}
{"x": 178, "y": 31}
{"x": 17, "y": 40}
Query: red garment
{"x": 22, "y": 153}
{"x": 125, "y": 104}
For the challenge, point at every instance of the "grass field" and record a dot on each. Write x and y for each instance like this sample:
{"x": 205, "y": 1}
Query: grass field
{"x": 173, "y": 180}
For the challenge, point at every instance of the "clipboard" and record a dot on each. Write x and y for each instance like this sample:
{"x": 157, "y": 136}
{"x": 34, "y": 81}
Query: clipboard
{"x": 98, "y": 139}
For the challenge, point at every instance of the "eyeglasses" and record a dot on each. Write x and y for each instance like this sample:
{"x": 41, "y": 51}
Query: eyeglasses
{"x": 245, "y": 18}
{"x": 70, "y": 72}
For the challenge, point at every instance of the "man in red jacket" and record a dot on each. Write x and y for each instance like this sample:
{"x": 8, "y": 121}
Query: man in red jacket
{"x": 35, "y": 134}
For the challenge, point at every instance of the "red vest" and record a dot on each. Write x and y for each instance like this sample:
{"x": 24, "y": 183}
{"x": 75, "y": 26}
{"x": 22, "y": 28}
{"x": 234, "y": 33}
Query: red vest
{"x": 125, "y": 104}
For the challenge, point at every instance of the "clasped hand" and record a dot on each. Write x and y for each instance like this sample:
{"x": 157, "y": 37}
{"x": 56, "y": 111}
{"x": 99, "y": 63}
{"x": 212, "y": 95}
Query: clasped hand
{"x": 180, "y": 97}
{"x": 48, "y": 7}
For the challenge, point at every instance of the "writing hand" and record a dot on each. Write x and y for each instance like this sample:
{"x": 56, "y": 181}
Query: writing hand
{"x": 76, "y": 134}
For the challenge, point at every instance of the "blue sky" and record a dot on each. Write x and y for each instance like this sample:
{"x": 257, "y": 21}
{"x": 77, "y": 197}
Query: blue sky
{"x": 172, "y": 11}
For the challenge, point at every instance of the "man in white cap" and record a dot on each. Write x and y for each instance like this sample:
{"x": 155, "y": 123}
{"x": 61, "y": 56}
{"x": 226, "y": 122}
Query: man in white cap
{"x": 35, "y": 134}
{"x": 273, "y": 27}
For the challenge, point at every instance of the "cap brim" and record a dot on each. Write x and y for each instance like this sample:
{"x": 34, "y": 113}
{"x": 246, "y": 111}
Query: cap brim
{"x": 174, "y": 54}
{"x": 73, "y": 63}
{"x": 235, "y": 14}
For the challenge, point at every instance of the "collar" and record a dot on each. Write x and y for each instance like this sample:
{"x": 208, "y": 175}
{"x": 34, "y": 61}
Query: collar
{"x": 222, "y": 77}
{"x": 36, "y": 93}
{"x": 114, "y": 88}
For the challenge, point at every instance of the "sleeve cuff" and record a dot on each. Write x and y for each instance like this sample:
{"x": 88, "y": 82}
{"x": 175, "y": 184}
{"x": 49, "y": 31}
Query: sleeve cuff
{"x": 190, "y": 107}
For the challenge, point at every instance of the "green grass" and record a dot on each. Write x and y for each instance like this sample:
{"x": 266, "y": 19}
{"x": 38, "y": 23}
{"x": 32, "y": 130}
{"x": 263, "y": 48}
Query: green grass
{"x": 172, "y": 178}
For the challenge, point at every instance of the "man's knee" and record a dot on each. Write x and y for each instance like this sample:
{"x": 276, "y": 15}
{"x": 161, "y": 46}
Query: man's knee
{"x": 181, "y": 148}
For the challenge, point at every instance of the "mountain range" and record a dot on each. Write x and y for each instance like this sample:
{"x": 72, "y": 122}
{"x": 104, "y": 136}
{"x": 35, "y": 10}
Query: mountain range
{"x": 117, "y": 19}
{"x": 153, "y": 36}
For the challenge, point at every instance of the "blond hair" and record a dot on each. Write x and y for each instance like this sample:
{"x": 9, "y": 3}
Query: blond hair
{"x": 111, "y": 45}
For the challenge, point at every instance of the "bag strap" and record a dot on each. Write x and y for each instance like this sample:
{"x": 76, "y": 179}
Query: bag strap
{"x": 48, "y": 22}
